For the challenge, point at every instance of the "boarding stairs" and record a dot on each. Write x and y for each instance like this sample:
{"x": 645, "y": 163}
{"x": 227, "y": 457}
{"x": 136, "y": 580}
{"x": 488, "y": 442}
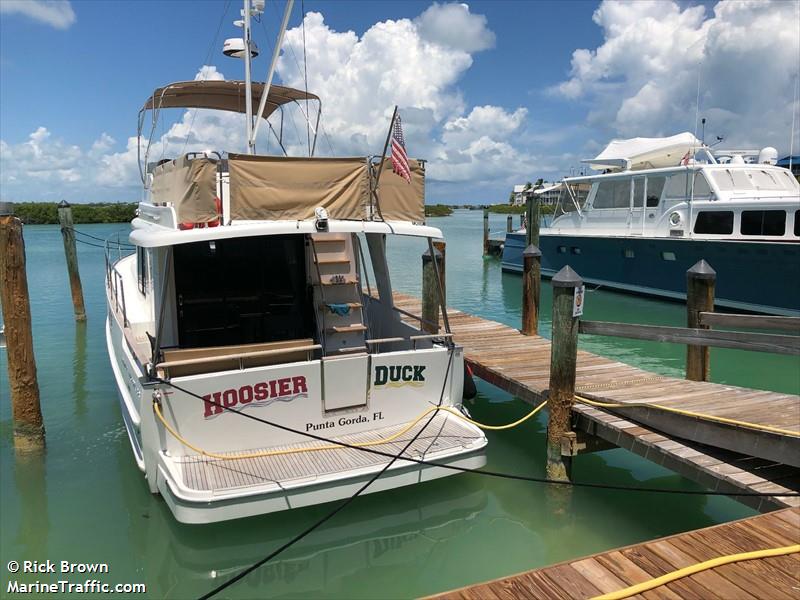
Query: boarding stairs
{"x": 337, "y": 296}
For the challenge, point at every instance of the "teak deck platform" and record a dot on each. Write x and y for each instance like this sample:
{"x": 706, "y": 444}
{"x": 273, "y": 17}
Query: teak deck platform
{"x": 719, "y": 456}
{"x": 777, "y": 577}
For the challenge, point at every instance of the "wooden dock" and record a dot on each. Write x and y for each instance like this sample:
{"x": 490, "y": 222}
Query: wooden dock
{"x": 777, "y": 577}
{"x": 727, "y": 457}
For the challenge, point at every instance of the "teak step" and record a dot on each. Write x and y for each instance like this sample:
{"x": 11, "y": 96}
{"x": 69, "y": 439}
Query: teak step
{"x": 325, "y": 305}
{"x": 322, "y": 260}
{"x": 345, "y": 281}
{"x": 353, "y": 349}
{"x": 348, "y": 329}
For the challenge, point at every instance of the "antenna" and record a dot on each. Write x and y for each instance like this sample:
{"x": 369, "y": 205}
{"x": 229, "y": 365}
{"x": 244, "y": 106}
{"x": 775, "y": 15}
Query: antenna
{"x": 703, "y": 136}
{"x": 794, "y": 110}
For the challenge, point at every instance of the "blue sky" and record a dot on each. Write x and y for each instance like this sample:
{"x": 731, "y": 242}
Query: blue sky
{"x": 492, "y": 94}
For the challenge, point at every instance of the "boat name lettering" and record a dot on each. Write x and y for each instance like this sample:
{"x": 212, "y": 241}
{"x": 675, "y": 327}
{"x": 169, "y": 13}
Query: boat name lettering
{"x": 376, "y": 416}
{"x": 399, "y": 374}
{"x": 262, "y": 393}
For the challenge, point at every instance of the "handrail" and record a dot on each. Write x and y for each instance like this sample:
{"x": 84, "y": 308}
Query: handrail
{"x": 771, "y": 322}
{"x": 413, "y": 316}
{"x": 237, "y": 356}
{"x": 739, "y": 340}
{"x": 320, "y": 327}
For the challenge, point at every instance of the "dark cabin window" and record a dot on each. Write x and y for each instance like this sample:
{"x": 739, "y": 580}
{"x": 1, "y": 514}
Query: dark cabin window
{"x": 763, "y": 222}
{"x": 797, "y": 223}
{"x": 655, "y": 185}
{"x": 141, "y": 269}
{"x": 242, "y": 291}
{"x": 715, "y": 222}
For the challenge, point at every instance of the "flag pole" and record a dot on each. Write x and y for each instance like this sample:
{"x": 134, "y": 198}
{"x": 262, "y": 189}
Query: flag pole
{"x": 383, "y": 158}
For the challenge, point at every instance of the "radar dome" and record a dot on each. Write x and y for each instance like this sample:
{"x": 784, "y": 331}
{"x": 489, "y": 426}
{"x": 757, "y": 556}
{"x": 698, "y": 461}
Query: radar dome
{"x": 768, "y": 156}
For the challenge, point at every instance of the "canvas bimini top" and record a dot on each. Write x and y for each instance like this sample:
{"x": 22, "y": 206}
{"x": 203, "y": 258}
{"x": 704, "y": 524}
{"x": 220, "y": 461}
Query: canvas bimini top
{"x": 222, "y": 95}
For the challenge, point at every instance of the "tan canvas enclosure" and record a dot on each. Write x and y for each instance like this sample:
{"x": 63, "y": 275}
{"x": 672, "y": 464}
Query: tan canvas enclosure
{"x": 190, "y": 185}
{"x": 222, "y": 95}
{"x": 266, "y": 188}
{"x": 400, "y": 200}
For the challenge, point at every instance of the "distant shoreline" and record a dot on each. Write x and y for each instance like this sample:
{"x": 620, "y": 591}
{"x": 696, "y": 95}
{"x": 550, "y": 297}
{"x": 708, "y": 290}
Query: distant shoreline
{"x": 46, "y": 213}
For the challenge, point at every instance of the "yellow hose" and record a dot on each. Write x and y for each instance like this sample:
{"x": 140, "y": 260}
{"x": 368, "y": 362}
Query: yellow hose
{"x": 185, "y": 442}
{"x": 697, "y": 568}
{"x": 688, "y": 413}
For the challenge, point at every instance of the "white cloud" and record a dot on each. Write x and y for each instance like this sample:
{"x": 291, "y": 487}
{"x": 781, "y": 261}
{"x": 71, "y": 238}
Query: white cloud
{"x": 415, "y": 64}
{"x": 643, "y": 79}
{"x": 454, "y": 26}
{"x": 39, "y": 159}
{"x": 56, "y": 13}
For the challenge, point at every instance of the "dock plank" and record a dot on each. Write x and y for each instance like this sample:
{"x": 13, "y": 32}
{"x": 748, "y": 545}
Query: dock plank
{"x": 520, "y": 365}
{"x": 776, "y": 577}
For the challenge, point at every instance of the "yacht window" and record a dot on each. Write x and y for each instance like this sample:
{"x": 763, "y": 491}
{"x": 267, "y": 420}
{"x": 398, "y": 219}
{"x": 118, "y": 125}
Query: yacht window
{"x": 729, "y": 180}
{"x": 797, "y": 223}
{"x": 655, "y": 185}
{"x": 764, "y": 180}
{"x": 763, "y": 222}
{"x": 789, "y": 182}
{"x": 141, "y": 269}
{"x": 668, "y": 256}
{"x": 679, "y": 186}
{"x": 562, "y": 249}
{"x": 627, "y": 253}
{"x": 638, "y": 192}
{"x": 242, "y": 291}
{"x": 615, "y": 193}
{"x": 715, "y": 222}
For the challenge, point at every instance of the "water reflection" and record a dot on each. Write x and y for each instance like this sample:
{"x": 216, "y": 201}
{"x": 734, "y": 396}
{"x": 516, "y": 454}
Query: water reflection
{"x": 385, "y": 531}
{"x": 33, "y": 527}
{"x": 79, "y": 369}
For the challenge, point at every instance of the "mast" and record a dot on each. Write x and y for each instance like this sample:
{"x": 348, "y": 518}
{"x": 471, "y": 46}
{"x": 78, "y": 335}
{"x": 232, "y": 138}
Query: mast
{"x": 251, "y": 137}
{"x": 248, "y": 84}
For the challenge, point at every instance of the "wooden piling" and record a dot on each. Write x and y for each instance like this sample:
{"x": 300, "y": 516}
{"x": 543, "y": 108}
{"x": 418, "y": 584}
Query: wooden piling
{"x": 486, "y": 232}
{"x": 532, "y": 217}
{"x": 509, "y": 224}
{"x": 531, "y": 287}
{"x": 700, "y": 282}
{"x": 25, "y": 408}
{"x": 71, "y": 253}
{"x": 430, "y": 291}
{"x": 563, "y": 362}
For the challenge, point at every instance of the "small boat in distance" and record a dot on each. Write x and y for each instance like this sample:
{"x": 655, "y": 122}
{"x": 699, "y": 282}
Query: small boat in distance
{"x": 662, "y": 204}
{"x": 261, "y": 362}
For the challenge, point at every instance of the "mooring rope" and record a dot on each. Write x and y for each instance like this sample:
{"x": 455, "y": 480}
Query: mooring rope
{"x": 498, "y": 474}
{"x": 243, "y": 573}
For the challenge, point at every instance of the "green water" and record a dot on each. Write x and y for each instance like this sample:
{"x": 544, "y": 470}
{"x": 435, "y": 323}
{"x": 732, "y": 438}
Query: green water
{"x": 85, "y": 500}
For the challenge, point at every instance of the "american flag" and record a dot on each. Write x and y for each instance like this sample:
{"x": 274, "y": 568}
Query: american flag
{"x": 399, "y": 156}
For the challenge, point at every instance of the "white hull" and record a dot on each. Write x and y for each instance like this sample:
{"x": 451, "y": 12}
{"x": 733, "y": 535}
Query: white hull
{"x": 199, "y": 489}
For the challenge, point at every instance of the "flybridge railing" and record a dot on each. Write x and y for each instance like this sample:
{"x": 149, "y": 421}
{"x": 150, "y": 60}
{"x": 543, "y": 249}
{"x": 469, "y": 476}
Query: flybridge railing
{"x": 115, "y": 250}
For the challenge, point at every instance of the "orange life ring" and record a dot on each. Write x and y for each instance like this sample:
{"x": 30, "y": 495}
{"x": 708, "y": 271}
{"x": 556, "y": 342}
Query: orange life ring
{"x": 216, "y": 222}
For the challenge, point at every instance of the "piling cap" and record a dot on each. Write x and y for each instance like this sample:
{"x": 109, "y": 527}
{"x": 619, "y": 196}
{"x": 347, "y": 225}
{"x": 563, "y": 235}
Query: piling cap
{"x": 701, "y": 270}
{"x": 567, "y": 278}
{"x": 63, "y": 204}
{"x": 426, "y": 256}
{"x": 532, "y": 251}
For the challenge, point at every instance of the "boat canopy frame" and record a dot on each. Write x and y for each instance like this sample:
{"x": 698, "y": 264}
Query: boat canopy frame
{"x": 220, "y": 95}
